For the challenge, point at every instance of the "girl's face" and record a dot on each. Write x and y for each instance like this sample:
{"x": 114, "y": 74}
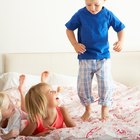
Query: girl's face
{"x": 52, "y": 98}
{"x": 94, "y": 6}
{"x": 8, "y": 108}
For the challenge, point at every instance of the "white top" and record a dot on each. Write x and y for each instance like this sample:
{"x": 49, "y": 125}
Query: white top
{"x": 14, "y": 122}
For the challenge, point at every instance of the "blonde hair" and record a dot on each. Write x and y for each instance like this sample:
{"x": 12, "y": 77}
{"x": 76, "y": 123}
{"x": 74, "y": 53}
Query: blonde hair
{"x": 36, "y": 102}
{"x": 2, "y": 103}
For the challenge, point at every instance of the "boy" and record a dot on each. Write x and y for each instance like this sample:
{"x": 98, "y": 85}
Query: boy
{"x": 93, "y": 23}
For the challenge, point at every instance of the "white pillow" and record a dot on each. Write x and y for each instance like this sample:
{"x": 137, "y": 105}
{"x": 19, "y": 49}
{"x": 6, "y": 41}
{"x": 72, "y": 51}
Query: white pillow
{"x": 8, "y": 80}
{"x": 61, "y": 80}
{"x": 11, "y": 80}
{"x": 65, "y": 80}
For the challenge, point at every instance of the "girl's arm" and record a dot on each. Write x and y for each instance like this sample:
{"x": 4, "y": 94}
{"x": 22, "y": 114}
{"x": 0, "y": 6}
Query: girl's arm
{"x": 67, "y": 118}
{"x": 29, "y": 129}
{"x": 43, "y": 133}
{"x": 12, "y": 134}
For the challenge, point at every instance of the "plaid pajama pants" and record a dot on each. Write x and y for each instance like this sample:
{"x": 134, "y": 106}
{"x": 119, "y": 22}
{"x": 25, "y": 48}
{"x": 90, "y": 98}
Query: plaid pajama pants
{"x": 102, "y": 70}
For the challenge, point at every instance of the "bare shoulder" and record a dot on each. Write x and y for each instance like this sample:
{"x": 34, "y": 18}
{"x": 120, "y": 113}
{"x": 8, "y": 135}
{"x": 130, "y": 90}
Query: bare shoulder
{"x": 67, "y": 117}
{"x": 63, "y": 109}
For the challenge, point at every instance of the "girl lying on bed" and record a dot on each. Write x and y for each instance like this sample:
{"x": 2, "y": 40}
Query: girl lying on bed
{"x": 44, "y": 114}
{"x": 42, "y": 106}
{"x": 10, "y": 116}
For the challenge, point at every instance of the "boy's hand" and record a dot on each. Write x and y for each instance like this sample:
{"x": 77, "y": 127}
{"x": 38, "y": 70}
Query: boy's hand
{"x": 117, "y": 46}
{"x": 79, "y": 48}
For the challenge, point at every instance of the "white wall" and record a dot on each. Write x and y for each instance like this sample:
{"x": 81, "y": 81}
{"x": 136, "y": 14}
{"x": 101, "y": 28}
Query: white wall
{"x": 38, "y": 25}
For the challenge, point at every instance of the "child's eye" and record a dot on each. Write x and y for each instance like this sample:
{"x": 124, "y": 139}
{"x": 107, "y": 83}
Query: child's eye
{"x": 53, "y": 92}
{"x": 96, "y": 5}
{"x": 88, "y": 4}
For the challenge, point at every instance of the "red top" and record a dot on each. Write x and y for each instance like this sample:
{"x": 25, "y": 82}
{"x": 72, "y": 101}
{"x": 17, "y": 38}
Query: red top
{"x": 58, "y": 123}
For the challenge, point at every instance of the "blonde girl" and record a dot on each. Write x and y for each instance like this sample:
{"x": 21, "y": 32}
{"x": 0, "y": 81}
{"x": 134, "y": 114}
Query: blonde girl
{"x": 41, "y": 104}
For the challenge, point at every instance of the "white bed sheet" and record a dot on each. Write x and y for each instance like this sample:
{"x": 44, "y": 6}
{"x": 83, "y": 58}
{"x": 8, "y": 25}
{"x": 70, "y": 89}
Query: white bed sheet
{"x": 124, "y": 121}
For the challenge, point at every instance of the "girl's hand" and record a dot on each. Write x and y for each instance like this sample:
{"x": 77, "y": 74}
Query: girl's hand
{"x": 14, "y": 133}
{"x": 117, "y": 46}
{"x": 50, "y": 129}
{"x": 44, "y": 133}
{"x": 79, "y": 48}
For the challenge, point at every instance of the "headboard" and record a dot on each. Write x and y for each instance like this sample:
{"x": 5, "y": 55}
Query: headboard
{"x": 125, "y": 65}
{"x": 35, "y": 63}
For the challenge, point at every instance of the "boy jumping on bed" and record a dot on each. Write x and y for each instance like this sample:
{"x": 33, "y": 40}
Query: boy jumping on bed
{"x": 93, "y": 23}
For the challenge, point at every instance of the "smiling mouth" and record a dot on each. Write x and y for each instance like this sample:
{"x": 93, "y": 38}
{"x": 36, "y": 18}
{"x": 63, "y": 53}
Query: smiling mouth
{"x": 93, "y": 11}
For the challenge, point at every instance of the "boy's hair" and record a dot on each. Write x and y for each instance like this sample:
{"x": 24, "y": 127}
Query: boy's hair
{"x": 36, "y": 102}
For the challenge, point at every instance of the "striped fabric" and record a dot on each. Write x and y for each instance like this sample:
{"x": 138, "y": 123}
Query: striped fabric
{"x": 102, "y": 70}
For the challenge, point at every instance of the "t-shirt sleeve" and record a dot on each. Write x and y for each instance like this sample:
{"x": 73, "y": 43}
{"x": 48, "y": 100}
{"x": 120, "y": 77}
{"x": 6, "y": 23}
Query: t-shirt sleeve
{"x": 74, "y": 22}
{"x": 116, "y": 23}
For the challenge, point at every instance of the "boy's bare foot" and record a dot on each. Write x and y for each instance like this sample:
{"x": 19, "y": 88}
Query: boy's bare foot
{"x": 44, "y": 76}
{"x": 86, "y": 116}
{"x": 87, "y": 113}
{"x": 21, "y": 82}
{"x": 104, "y": 113}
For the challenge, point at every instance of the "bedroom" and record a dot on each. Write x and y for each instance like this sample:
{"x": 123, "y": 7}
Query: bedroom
{"x": 32, "y": 40}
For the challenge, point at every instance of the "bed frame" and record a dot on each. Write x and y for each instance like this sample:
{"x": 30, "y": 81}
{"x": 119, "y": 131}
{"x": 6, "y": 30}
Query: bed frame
{"x": 125, "y": 65}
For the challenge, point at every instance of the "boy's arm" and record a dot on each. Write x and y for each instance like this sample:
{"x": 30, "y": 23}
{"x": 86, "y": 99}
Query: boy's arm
{"x": 79, "y": 48}
{"x": 67, "y": 118}
{"x": 118, "y": 45}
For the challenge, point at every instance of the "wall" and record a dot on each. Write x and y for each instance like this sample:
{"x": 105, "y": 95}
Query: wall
{"x": 38, "y": 25}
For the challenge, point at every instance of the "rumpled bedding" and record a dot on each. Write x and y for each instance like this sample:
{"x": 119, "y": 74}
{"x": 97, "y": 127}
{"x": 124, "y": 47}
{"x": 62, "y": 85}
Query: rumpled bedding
{"x": 123, "y": 122}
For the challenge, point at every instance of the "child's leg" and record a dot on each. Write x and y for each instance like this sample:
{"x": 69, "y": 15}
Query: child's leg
{"x": 105, "y": 86}
{"x": 44, "y": 76}
{"x": 84, "y": 87}
{"x": 21, "y": 91}
{"x": 87, "y": 113}
{"x": 104, "y": 113}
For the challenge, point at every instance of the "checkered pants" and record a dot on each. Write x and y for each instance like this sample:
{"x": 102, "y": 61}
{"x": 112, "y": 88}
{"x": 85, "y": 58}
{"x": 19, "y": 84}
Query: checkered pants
{"x": 102, "y": 69}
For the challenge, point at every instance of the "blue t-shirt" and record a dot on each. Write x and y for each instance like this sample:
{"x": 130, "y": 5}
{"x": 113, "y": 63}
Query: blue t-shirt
{"x": 93, "y": 31}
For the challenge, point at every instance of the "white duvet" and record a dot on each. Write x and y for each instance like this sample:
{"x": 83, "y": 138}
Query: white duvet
{"x": 124, "y": 121}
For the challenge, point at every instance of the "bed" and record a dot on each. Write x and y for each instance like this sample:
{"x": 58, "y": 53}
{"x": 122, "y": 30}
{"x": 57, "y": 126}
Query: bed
{"x": 124, "y": 122}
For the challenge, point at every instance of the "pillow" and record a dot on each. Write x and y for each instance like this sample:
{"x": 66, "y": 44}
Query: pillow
{"x": 61, "y": 80}
{"x": 11, "y": 80}
{"x": 65, "y": 80}
{"x": 8, "y": 80}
